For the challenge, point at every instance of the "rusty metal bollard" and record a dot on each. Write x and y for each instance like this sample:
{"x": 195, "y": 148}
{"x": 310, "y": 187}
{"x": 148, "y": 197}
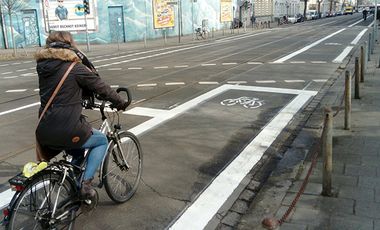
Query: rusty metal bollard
{"x": 357, "y": 78}
{"x": 327, "y": 136}
{"x": 347, "y": 107}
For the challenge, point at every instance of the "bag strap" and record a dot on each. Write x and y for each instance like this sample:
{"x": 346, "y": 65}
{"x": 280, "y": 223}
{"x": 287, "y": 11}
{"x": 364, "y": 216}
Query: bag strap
{"x": 56, "y": 91}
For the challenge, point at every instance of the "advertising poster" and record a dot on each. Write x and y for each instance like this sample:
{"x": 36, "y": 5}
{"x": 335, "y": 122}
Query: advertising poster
{"x": 226, "y": 10}
{"x": 163, "y": 14}
{"x": 68, "y": 15}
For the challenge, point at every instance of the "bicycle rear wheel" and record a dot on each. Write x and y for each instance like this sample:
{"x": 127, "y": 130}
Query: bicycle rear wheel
{"x": 122, "y": 167}
{"x": 36, "y": 203}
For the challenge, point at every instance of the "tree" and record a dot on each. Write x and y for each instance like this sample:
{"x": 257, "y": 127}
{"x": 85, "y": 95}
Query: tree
{"x": 304, "y": 9}
{"x": 12, "y": 6}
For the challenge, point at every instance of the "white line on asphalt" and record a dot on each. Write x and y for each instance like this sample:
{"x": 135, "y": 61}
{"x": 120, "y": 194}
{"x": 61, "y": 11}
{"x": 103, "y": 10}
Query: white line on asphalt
{"x": 6, "y": 73}
{"x": 208, "y": 83}
{"x": 5, "y": 198}
{"x": 320, "y": 80}
{"x": 207, "y": 204}
{"x": 370, "y": 25}
{"x": 229, "y": 63}
{"x": 343, "y": 55}
{"x": 36, "y": 90}
{"x": 266, "y": 81}
{"x": 32, "y": 68}
{"x": 139, "y": 101}
{"x": 319, "y": 62}
{"x": 236, "y": 82}
{"x": 175, "y": 83}
{"x": 135, "y": 68}
{"x": 360, "y": 35}
{"x": 114, "y": 86}
{"x": 297, "y": 62}
{"x": 15, "y": 90}
{"x": 27, "y": 62}
{"x": 356, "y": 23}
{"x": 210, "y": 64}
{"x": 4, "y": 65}
{"x": 112, "y": 69}
{"x": 10, "y": 77}
{"x": 19, "y": 108}
{"x": 332, "y": 44}
{"x": 294, "y": 81}
{"x": 16, "y": 63}
{"x": 27, "y": 74}
{"x": 254, "y": 63}
{"x": 181, "y": 66}
{"x": 21, "y": 70}
{"x": 289, "y": 56}
{"x": 147, "y": 85}
{"x": 161, "y": 67}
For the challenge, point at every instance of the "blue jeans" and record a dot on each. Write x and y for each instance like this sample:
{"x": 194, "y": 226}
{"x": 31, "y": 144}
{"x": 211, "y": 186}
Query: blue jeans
{"x": 97, "y": 145}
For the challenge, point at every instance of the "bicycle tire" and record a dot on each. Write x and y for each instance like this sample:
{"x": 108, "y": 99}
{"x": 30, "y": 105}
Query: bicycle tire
{"x": 129, "y": 179}
{"x": 33, "y": 196}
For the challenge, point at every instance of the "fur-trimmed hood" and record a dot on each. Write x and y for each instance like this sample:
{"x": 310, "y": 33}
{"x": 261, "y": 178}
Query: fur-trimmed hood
{"x": 51, "y": 60}
{"x": 56, "y": 53}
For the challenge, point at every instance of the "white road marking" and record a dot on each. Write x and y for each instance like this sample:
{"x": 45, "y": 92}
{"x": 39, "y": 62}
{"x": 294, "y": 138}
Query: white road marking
{"x": 15, "y": 90}
{"x": 370, "y": 25}
{"x": 175, "y": 83}
{"x": 5, "y": 198}
{"x": 229, "y": 63}
{"x": 139, "y": 101}
{"x": 207, "y": 204}
{"x": 7, "y": 73}
{"x": 297, "y": 62}
{"x": 32, "y": 68}
{"x": 21, "y": 70}
{"x": 16, "y": 63}
{"x": 356, "y": 23}
{"x": 319, "y": 62}
{"x": 294, "y": 81}
{"x": 10, "y": 77}
{"x": 266, "y": 81}
{"x": 210, "y": 64}
{"x": 320, "y": 80}
{"x": 289, "y": 56}
{"x": 27, "y": 74}
{"x": 181, "y": 66}
{"x": 135, "y": 68}
{"x": 236, "y": 82}
{"x": 112, "y": 69}
{"x": 27, "y": 62}
{"x": 161, "y": 67}
{"x": 36, "y": 90}
{"x": 19, "y": 108}
{"x": 343, "y": 55}
{"x": 254, "y": 63}
{"x": 208, "y": 83}
{"x": 114, "y": 86}
{"x": 147, "y": 85}
{"x": 4, "y": 65}
{"x": 147, "y": 112}
{"x": 333, "y": 44}
{"x": 360, "y": 35}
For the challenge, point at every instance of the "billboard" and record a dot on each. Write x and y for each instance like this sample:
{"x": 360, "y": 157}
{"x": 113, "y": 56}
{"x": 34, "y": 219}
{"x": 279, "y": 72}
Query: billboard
{"x": 68, "y": 15}
{"x": 226, "y": 10}
{"x": 163, "y": 14}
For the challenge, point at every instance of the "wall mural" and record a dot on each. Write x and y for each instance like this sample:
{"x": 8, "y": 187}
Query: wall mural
{"x": 109, "y": 20}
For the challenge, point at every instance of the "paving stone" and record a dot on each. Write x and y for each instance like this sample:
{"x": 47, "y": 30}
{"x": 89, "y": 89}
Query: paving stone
{"x": 247, "y": 195}
{"x": 311, "y": 188}
{"x": 308, "y": 216}
{"x": 231, "y": 219}
{"x": 346, "y": 158}
{"x": 357, "y": 193}
{"x": 350, "y": 222}
{"x": 369, "y": 182}
{"x": 253, "y": 185}
{"x": 371, "y": 160}
{"x": 240, "y": 206}
{"x": 355, "y": 170}
{"x": 367, "y": 209}
{"x": 291, "y": 226}
{"x": 225, "y": 227}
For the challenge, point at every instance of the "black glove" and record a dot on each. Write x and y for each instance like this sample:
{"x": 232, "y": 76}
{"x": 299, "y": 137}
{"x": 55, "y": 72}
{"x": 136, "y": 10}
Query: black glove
{"x": 121, "y": 106}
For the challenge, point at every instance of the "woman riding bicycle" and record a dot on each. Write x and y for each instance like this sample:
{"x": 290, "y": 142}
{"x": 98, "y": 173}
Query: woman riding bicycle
{"x": 63, "y": 127}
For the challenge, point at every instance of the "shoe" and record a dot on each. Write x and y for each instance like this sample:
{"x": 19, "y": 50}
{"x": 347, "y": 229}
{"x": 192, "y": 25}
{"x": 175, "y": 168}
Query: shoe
{"x": 87, "y": 192}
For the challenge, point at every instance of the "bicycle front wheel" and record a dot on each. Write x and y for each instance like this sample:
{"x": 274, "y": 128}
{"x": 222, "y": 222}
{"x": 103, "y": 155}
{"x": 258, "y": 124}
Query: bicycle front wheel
{"x": 44, "y": 204}
{"x": 123, "y": 167}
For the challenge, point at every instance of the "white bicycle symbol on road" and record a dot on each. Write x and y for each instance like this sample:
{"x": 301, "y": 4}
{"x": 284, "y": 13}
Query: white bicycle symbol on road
{"x": 247, "y": 102}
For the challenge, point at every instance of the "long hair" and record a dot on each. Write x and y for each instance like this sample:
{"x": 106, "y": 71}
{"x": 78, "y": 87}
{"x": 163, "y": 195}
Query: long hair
{"x": 60, "y": 36}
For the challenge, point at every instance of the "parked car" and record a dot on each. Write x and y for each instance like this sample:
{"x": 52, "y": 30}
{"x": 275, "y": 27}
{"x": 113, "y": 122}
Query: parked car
{"x": 339, "y": 13}
{"x": 314, "y": 14}
{"x": 236, "y": 23}
{"x": 300, "y": 18}
{"x": 309, "y": 16}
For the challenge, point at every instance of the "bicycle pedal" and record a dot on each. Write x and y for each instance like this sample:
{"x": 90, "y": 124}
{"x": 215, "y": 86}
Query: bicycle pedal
{"x": 89, "y": 204}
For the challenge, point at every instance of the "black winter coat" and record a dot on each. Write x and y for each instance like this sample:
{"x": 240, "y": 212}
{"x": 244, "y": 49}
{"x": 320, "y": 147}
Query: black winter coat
{"x": 63, "y": 126}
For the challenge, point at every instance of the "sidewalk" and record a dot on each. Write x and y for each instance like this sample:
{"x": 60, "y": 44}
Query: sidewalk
{"x": 356, "y": 169}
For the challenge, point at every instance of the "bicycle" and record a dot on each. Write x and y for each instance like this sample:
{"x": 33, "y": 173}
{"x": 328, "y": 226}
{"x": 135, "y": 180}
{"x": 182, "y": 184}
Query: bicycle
{"x": 50, "y": 199}
{"x": 201, "y": 33}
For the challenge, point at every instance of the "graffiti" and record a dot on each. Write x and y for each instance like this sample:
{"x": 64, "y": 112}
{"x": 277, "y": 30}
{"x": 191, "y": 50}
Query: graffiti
{"x": 30, "y": 31}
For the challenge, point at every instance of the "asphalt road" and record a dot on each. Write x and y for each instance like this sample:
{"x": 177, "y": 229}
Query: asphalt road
{"x": 197, "y": 144}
